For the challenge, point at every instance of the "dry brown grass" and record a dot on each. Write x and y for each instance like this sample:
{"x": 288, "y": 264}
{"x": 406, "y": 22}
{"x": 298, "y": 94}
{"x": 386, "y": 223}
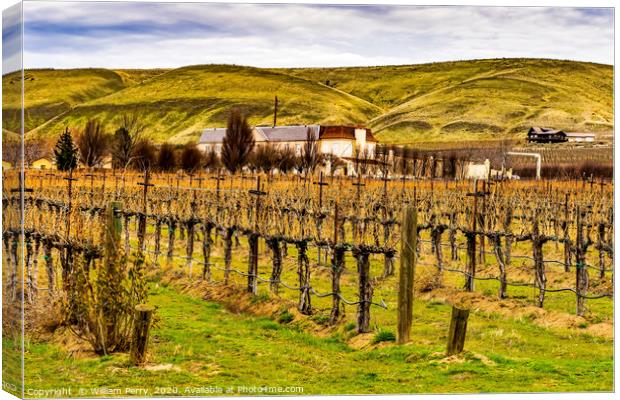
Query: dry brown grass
{"x": 509, "y": 308}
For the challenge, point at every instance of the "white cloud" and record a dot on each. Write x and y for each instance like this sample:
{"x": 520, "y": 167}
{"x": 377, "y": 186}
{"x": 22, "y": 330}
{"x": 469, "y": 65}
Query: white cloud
{"x": 138, "y": 35}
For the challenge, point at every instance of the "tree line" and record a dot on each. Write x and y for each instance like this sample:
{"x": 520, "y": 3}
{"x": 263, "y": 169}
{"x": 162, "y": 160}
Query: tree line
{"x": 130, "y": 149}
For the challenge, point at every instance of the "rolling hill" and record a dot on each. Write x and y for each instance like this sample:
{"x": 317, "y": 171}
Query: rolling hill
{"x": 464, "y": 100}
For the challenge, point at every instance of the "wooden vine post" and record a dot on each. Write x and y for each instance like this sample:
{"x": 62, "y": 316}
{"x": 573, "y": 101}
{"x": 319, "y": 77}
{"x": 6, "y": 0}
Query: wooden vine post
{"x": 567, "y": 241}
{"x": 303, "y": 271}
{"x": 141, "y": 326}
{"x": 191, "y": 228}
{"x": 253, "y": 241}
{"x": 338, "y": 265}
{"x": 276, "y": 263}
{"x": 92, "y": 188}
{"x": 66, "y": 258}
{"x": 172, "y": 226}
{"x": 409, "y": 237}
{"x": 320, "y": 184}
{"x": 365, "y": 290}
{"x": 206, "y": 250}
{"x": 483, "y": 220}
{"x": 22, "y": 189}
{"x": 581, "y": 271}
{"x": 539, "y": 266}
{"x": 457, "y": 331}
{"x": 142, "y": 216}
{"x": 113, "y": 229}
{"x": 471, "y": 242}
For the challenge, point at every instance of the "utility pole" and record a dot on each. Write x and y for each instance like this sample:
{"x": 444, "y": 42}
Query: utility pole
{"x": 275, "y": 111}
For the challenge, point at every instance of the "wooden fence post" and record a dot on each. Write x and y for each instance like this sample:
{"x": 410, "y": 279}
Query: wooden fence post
{"x": 409, "y": 238}
{"x": 141, "y": 326}
{"x": 458, "y": 329}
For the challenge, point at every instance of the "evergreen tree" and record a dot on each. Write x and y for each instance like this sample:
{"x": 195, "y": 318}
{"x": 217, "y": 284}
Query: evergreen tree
{"x": 66, "y": 152}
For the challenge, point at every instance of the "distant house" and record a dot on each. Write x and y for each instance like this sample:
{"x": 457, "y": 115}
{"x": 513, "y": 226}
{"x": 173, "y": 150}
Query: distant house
{"x": 341, "y": 141}
{"x": 546, "y": 135}
{"x": 477, "y": 171}
{"x": 43, "y": 163}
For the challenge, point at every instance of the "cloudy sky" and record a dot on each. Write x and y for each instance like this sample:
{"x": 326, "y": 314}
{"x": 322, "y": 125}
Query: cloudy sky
{"x": 146, "y": 35}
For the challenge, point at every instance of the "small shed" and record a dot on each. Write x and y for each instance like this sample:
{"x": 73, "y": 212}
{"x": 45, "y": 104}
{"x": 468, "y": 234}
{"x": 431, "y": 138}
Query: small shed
{"x": 106, "y": 162}
{"x": 43, "y": 163}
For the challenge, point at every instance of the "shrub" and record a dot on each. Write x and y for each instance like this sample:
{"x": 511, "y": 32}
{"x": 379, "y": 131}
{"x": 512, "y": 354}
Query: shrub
{"x": 101, "y": 298}
{"x": 321, "y": 319}
{"x": 285, "y": 317}
{"x": 349, "y": 326}
{"x": 384, "y": 336}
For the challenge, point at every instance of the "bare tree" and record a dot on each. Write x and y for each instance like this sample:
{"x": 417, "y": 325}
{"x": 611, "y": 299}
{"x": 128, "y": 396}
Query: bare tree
{"x": 125, "y": 140}
{"x": 238, "y": 142}
{"x": 264, "y": 158}
{"x": 335, "y": 163}
{"x": 361, "y": 160}
{"x": 92, "y": 143}
{"x": 212, "y": 160}
{"x": 144, "y": 155}
{"x": 311, "y": 155}
{"x": 450, "y": 163}
{"x": 286, "y": 160}
{"x": 382, "y": 157}
{"x": 166, "y": 158}
{"x": 405, "y": 161}
{"x": 33, "y": 150}
{"x": 191, "y": 158}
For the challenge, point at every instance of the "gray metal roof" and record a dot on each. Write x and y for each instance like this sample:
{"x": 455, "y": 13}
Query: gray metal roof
{"x": 290, "y": 133}
{"x": 212, "y": 135}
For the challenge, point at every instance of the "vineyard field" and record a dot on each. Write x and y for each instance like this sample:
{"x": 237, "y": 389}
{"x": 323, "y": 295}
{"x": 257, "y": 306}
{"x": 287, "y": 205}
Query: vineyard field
{"x": 304, "y": 278}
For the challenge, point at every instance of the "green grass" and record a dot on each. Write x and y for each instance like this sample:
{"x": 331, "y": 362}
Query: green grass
{"x": 437, "y": 102}
{"x": 207, "y": 346}
{"x": 51, "y": 92}
{"x": 211, "y": 347}
{"x": 178, "y": 104}
{"x": 384, "y": 336}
